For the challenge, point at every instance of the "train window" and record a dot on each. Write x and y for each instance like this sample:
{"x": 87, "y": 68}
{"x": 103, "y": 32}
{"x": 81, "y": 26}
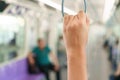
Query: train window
{"x": 11, "y": 37}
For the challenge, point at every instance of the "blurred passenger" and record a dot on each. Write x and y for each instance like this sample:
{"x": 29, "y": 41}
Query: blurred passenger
{"x": 106, "y": 44}
{"x": 42, "y": 53}
{"x": 116, "y": 58}
{"x": 115, "y": 55}
{"x": 111, "y": 41}
{"x": 62, "y": 52}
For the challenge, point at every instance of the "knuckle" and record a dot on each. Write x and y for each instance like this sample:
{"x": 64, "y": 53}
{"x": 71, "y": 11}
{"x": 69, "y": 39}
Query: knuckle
{"x": 80, "y": 23}
{"x": 82, "y": 13}
{"x": 65, "y": 16}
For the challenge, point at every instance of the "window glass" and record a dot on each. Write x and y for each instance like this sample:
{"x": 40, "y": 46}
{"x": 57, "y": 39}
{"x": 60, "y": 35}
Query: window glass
{"x": 12, "y": 37}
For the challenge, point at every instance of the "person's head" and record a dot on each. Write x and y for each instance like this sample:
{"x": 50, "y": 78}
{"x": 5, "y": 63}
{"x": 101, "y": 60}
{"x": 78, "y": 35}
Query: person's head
{"x": 41, "y": 43}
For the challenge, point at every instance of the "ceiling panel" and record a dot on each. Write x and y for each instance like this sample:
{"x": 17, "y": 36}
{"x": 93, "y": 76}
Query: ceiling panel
{"x": 94, "y": 8}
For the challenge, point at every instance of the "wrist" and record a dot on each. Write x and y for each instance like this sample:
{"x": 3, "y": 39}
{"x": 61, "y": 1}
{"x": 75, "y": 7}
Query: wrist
{"x": 76, "y": 56}
{"x": 76, "y": 52}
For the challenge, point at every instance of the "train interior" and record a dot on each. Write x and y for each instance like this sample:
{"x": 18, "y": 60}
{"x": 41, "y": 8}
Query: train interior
{"x": 22, "y": 22}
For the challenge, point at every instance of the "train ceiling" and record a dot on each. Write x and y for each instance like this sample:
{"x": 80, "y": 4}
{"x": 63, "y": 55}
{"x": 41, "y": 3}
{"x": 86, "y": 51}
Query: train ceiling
{"x": 99, "y": 11}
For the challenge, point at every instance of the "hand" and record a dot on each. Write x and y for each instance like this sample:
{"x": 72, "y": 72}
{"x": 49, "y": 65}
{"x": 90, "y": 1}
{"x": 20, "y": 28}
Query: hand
{"x": 76, "y": 31}
{"x": 31, "y": 59}
{"x": 32, "y": 62}
{"x": 57, "y": 67}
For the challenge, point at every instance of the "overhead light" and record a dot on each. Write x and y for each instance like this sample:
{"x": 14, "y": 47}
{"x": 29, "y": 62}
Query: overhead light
{"x": 57, "y": 6}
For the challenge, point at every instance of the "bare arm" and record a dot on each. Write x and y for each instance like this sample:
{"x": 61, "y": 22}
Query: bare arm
{"x": 55, "y": 60}
{"x": 30, "y": 58}
{"x": 77, "y": 65}
{"x": 75, "y": 37}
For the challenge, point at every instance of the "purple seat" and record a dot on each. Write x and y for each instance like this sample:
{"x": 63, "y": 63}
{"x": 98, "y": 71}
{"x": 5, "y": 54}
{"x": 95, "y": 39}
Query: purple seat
{"x": 18, "y": 71}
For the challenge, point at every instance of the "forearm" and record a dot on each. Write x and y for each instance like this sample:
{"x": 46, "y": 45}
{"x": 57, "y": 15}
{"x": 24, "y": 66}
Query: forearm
{"x": 30, "y": 58}
{"x": 76, "y": 28}
{"x": 77, "y": 67}
{"x": 54, "y": 59}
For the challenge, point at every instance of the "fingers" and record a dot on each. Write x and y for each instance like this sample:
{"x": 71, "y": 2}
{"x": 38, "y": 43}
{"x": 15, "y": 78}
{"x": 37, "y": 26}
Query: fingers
{"x": 82, "y": 16}
{"x": 87, "y": 21}
{"x": 66, "y": 19}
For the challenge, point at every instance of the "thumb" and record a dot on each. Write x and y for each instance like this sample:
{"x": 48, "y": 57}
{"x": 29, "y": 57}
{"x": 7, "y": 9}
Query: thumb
{"x": 87, "y": 21}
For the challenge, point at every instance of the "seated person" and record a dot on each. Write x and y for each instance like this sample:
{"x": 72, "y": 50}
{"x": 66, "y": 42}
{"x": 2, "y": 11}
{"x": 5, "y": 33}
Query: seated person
{"x": 42, "y": 53}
